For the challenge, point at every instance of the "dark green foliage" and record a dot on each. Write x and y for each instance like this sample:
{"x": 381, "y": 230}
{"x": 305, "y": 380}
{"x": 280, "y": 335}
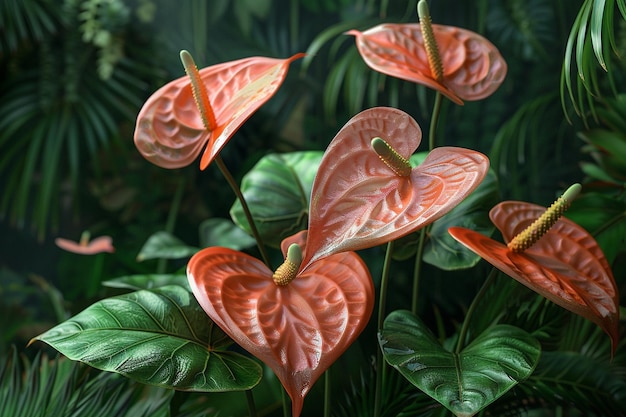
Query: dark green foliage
{"x": 45, "y": 387}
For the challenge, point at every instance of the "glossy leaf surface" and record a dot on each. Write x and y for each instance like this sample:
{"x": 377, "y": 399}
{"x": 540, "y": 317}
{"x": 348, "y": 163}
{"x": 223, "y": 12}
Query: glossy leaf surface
{"x": 277, "y": 190}
{"x": 472, "y": 66}
{"x": 359, "y": 202}
{"x": 160, "y": 337}
{"x": 566, "y": 265}
{"x": 299, "y": 329}
{"x": 170, "y": 132}
{"x": 466, "y": 382}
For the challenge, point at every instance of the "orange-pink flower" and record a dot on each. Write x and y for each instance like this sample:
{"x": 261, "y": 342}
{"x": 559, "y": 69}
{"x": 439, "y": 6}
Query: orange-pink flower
{"x": 170, "y": 131}
{"x": 472, "y": 66}
{"x": 565, "y": 265}
{"x": 299, "y": 328}
{"x": 85, "y": 246}
{"x": 358, "y": 201}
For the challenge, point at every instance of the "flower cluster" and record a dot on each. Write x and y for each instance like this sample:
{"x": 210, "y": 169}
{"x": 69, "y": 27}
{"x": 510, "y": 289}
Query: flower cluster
{"x": 299, "y": 318}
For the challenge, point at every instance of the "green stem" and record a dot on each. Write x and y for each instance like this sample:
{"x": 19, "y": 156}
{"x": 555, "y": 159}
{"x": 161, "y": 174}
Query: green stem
{"x": 251, "y": 405}
{"x": 286, "y": 412}
{"x": 434, "y": 119}
{"x": 294, "y": 24}
{"x": 327, "y": 393}
{"x": 481, "y": 293}
{"x": 246, "y": 210}
{"x": 170, "y": 223}
{"x": 96, "y": 276}
{"x": 380, "y": 366}
{"x": 419, "y": 255}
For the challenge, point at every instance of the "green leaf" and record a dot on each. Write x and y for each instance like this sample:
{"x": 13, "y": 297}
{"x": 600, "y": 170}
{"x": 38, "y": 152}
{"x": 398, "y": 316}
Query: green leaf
{"x": 466, "y": 382}
{"x": 147, "y": 281}
{"x": 164, "y": 245}
{"x": 160, "y": 337}
{"x": 442, "y": 250}
{"x": 278, "y": 192}
{"x": 223, "y": 232}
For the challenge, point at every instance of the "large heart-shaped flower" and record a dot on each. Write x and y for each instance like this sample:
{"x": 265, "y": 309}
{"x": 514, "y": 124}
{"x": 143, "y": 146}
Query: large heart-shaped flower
{"x": 358, "y": 201}
{"x": 565, "y": 265}
{"x": 472, "y": 66}
{"x": 298, "y": 329}
{"x": 170, "y": 131}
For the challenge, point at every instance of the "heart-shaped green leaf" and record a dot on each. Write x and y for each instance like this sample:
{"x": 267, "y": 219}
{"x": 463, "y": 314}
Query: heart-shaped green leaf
{"x": 223, "y": 232}
{"x": 164, "y": 245}
{"x": 278, "y": 191}
{"x": 160, "y": 337}
{"x": 466, "y": 382}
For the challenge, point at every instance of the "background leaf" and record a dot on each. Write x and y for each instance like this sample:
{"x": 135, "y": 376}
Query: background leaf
{"x": 160, "y": 337}
{"x": 147, "y": 281}
{"x": 223, "y": 232}
{"x": 278, "y": 192}
{"x": 165, "y": 246}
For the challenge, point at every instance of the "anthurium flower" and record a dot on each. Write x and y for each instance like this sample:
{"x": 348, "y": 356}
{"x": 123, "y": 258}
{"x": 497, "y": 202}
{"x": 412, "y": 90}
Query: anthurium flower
{"x": 85, "y": 246}
{"x": 366, "y": 192}
{"x": 173, "y": 126}
{"x": 298, "y": 322}
{"x": 469, "y": 67}
{"x": 565, "y": 264}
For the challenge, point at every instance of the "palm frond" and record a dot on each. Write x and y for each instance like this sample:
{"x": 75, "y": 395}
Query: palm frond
{"x": 590, "y": 47}
{"x": 59, "y": 387}
{"x": 26, "y": 22}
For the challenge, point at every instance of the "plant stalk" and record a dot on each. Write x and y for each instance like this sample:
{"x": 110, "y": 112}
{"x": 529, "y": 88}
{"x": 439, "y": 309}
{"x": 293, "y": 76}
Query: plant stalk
{"x": 235, "y": 187}
{"x": 434, "y": 119}
{"x": 251, "y": 405}
{"x": 170, "y": 223}
{"x": 382, "y": 301}
{"x": 481, "y": 293}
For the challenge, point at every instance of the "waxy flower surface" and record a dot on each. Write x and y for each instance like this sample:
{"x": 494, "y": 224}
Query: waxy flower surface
{"x": 565, "y": 265}
{"x": 472, "y": 66}
{"x": 170, "y": 130}
{"x": 298, "y": 326}
{"x": 359, "y": 201}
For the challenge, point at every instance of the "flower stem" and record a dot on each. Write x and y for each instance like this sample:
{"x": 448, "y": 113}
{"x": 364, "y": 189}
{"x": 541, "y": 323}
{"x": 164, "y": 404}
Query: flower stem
{"x": 418, "y": 268}
{"x": 481, "y": 293}
{"x": 251, "y": 405}
{"x": 327, "y": 393}
{"x": 246, "y": 210}
{"x": 380, "y": 365}
{"x": 434, "y": 119}
{"x": 170, "y": 223}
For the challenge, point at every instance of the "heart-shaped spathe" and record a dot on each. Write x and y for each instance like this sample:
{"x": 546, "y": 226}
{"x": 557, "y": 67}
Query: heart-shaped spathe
{"x": 473, "y": 68}
{"x": 566, "y": 265}
{"x": 170, "y": 132}
{"x": 357, "y": 201}
{"x": 299, "y": 329}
